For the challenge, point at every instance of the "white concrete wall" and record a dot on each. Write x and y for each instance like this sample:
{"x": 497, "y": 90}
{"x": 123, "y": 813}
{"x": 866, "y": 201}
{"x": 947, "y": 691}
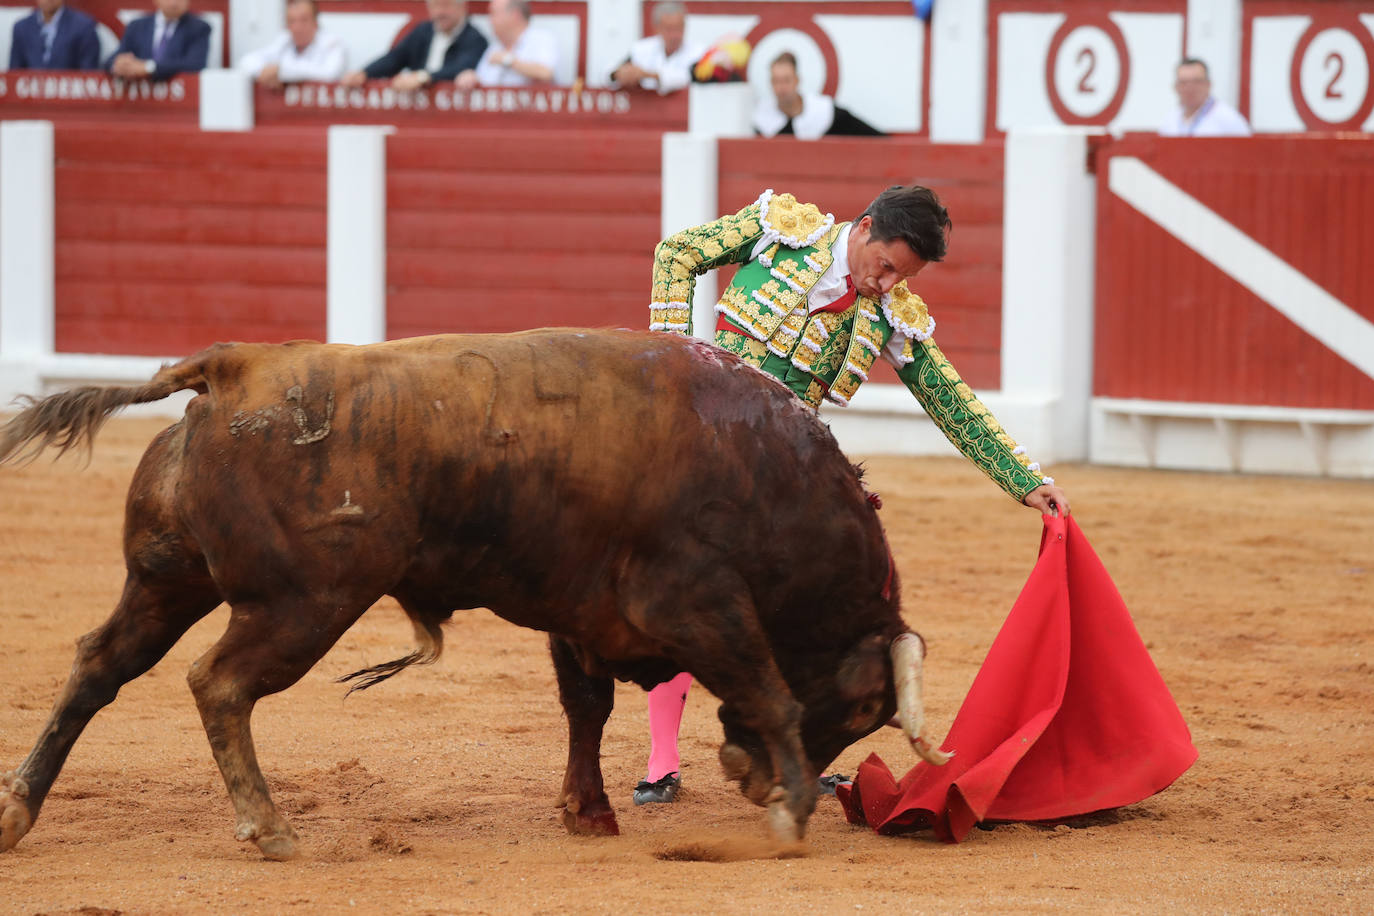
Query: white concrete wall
{"x": 958, "y": 71}
{"x": 612, "y": 26}
{"x": 1048, "y": 255}
{"x": 226, "y": 100}
{"x": 689, "y": 199}
{"x": 356, "y": 257}
{"x": 27, "y": 207}
{"x": 1214, "y": 36}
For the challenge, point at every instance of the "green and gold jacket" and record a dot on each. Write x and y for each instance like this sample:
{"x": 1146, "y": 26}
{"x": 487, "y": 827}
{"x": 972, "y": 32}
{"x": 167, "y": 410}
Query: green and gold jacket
{"x": 824, "y": 355}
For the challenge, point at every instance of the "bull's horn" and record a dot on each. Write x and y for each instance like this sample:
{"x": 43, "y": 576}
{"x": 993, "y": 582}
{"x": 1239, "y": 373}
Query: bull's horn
{"x": 908, "y": 650}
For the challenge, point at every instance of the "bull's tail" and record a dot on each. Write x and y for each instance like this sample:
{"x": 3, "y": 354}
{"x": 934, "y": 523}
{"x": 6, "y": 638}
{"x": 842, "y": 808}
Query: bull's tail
{"x": 72, "y": 418}
{"x": 431, "y": 646}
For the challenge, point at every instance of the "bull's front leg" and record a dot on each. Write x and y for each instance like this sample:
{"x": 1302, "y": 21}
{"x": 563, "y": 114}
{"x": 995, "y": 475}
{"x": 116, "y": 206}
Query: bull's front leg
{"x": 587, "y": 701}
{"x": 731, "y": 657}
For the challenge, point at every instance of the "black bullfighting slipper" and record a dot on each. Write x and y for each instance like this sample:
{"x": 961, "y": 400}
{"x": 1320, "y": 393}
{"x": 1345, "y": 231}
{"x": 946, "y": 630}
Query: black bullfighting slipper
{"x": 827, "y": 784}
{"x": 658, "y": 793}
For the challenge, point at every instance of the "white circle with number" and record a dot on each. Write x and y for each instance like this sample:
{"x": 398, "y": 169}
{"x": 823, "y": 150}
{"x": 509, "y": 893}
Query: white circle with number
{"x": 1087, "y": 71}
{"x": 1334, "y": 76}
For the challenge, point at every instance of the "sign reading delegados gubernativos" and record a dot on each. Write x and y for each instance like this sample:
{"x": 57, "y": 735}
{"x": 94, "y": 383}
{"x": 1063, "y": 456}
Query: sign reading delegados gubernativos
{"x": 384, "y": 98}
{"x": 98, "y": 87}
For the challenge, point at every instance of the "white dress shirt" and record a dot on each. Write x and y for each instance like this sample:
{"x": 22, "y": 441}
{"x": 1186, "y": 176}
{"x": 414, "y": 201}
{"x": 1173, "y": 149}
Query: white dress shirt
{"x": 832, "y": 286}
{"x": 324, "y": 60}
{"x": 817, "y": 116}
{"x": 534, "y": 46}
{"x": 439, "y": 45}
{"x": 162, "y": 26}
{"x": 1213, "y": 119}
{"x": 674, "y": 70}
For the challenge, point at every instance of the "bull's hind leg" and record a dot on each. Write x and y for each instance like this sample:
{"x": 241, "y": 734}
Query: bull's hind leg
{"x": 150, "y": 617}
{"x": 588, "y": 701}
{"x": 267, "y": 648}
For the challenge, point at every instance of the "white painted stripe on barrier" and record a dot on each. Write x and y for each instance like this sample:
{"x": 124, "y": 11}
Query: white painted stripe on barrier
{"x": 356, "y": 250}
{"x": 1328, "y": 319}
{"x": 27, "y": 206}
{"x": 689, "y": 169}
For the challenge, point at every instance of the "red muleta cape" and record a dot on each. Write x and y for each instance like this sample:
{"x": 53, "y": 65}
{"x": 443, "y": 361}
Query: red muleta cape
{"x": 1068, "y": 714}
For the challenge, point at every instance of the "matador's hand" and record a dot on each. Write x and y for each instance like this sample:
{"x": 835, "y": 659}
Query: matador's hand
{"x": 1049, "y": 499}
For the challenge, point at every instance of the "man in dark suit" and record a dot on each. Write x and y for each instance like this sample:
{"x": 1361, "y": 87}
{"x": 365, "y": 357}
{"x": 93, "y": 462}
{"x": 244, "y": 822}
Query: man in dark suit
{"x": 160, "y": 46}
{"x": 444, "y": 48}
{"x": 55, "y": 38}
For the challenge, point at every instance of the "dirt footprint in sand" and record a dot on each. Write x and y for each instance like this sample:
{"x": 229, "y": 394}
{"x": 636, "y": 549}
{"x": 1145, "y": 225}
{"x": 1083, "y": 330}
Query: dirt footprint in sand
{"x": 710, "y": 847}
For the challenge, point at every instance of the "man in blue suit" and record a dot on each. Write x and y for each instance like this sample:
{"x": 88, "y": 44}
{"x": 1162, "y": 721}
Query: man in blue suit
{"x": 55, "y": 38}
{"x": 160, "y": 46}
{"x": 444, "y": 48}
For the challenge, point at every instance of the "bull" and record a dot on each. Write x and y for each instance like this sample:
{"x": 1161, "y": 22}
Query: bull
{"x": 653, "y": 504}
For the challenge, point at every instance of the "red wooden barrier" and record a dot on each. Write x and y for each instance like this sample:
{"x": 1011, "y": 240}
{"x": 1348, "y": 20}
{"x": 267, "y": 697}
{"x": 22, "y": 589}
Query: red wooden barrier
{"x": 508, "y": 230}
{"x": 169, "y": 239}
{"x": 964, "y": 292}
{"x": 1171, "y": 326}
{"x": 86, "y": 95}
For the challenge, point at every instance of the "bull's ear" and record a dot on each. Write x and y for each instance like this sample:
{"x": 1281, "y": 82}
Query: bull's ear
{"x": 864, "y": 671}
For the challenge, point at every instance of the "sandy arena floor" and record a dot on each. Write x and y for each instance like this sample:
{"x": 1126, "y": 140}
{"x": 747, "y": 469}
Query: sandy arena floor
{"x": 433, "y": 793}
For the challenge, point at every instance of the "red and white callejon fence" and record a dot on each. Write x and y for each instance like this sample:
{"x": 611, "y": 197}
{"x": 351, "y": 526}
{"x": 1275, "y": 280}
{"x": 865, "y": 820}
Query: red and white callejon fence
{"x": 1235, "y": 304}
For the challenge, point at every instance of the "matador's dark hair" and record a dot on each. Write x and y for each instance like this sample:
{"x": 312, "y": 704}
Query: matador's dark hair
{"x": 913, "y": 214}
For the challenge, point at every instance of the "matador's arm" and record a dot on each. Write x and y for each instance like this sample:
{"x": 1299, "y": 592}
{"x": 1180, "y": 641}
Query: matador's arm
{"x": 966, "y": 421}
{"x": 681, "y": 258}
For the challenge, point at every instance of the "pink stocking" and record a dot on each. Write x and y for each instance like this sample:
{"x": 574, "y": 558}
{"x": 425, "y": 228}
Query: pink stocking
{"x": 666, "y": 702}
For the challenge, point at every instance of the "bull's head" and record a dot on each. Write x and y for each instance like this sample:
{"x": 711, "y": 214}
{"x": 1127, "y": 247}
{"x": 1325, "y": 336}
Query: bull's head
{"x": 876, "y": 677}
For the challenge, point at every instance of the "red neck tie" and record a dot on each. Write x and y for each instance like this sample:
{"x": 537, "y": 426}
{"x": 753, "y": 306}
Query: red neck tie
{"x": 846, "y": 298}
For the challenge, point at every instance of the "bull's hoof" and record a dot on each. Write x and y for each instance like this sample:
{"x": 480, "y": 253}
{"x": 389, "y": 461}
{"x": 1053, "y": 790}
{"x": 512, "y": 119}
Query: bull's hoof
{"x": 755, "y": 781}
{"x": 784, "y": 827}
{"x": 15, "y": 816}
{"x": 735, "y": 761}
{"x": 594, "y": 819}
{"x": 279, "y": 848}
{"x": 276, "y": 842}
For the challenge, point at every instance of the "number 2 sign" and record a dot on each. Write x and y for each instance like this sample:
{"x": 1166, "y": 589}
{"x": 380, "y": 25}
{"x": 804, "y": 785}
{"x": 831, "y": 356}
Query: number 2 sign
{"x": 1082, "y": 62}
{"x": 1307, "y": 65}
{"x": 1330, "y": 77}
{"x": 1087, "y": 70}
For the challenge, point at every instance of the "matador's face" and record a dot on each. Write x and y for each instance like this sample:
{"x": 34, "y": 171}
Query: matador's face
{"x": 876, "y": 266}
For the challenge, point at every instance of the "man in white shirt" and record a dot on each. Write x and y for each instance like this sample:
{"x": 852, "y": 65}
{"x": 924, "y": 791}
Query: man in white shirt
{"x": 1199, "y": 113}
{"x": 302, "y": 53}
{"x": 662, "y": 62}
{"x": 521, "y": 55}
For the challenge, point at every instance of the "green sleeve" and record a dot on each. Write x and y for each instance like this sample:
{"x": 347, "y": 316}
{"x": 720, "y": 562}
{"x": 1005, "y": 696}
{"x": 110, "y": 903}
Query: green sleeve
{"x": 681, "y": 258}
{"x": 966, "y": 422}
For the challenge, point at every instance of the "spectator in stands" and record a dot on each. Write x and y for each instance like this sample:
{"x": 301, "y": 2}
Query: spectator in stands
{"x": 158, "y": 47}
{"x": 807, "y": 117}
{"x": 1199, "y": 113}
{"x": 443, "y": 48}
{"x": 521, "y": 54}
{"x": 54, "y": 38}
{"x": 662, "y": 62}
{"x": 302, "y": 53}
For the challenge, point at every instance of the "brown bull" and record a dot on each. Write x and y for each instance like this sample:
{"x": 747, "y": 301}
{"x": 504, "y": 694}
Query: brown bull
{"x": 653, "y": 504}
